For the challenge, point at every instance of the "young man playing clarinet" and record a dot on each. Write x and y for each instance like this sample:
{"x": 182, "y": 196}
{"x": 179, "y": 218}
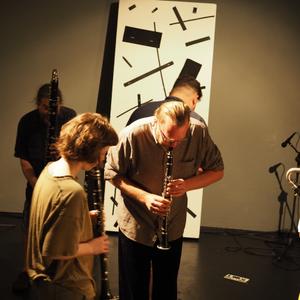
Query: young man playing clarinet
{"x": 60, "y": 240}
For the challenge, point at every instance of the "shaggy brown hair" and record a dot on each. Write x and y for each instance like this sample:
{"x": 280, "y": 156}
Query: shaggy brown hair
{"x": 84, "y": 136}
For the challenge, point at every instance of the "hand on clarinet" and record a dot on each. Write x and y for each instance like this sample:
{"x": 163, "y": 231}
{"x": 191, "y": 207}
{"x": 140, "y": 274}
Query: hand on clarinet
{"x": 99, "y": 245}
{"x": 157, "y": 204}
{"x": 94, "y": 216}
{"x": 177, "y": 187}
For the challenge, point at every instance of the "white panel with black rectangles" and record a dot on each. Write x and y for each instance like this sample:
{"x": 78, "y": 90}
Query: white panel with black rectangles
{"x": 156, "y": 41}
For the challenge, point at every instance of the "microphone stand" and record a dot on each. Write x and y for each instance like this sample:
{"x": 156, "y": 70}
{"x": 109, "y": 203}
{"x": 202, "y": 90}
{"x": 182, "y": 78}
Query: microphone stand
{"x": 297, "y": 159}
{"x": 282, "y": 198}
{"x": 293, "y": 225}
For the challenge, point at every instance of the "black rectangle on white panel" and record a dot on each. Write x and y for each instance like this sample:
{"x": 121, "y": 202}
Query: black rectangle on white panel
{"x": 142, "y": 37}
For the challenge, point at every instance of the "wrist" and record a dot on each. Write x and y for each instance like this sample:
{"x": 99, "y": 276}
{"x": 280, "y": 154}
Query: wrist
{"x": 142, "y": 197}
{"x": 90, "y": 249}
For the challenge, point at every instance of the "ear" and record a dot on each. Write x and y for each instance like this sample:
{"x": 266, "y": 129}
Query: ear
{"x": 194, "y": 103}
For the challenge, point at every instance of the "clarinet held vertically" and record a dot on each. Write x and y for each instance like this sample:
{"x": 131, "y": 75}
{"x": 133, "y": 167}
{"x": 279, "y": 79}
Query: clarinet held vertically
{"x": 94, "y": 191}
{"x": 163, "y": 241}
{"x": 52, "y": 117}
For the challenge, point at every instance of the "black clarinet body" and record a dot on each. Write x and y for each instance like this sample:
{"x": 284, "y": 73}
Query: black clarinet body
{"x": 52, "y": 117}
{"x": 163, "y": 241}
{"x": 95, "y": 198}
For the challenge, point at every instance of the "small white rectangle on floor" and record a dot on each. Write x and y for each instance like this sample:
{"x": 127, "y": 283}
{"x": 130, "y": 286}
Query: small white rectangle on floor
{"x": 236, "y": 278}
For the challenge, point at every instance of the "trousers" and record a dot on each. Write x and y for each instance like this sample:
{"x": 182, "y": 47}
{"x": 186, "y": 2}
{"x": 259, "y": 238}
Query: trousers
{"x": 141, "y": 267}
{"x": 44, "y": 290}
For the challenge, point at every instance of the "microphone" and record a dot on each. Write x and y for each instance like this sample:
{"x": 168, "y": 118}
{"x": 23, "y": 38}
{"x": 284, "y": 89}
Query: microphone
{"x": 284, "y": 144}
{"x": 273, "y": 168}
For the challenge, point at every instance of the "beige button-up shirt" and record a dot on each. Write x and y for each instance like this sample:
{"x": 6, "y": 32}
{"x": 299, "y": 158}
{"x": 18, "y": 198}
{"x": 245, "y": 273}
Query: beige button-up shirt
{"x": 140, "y": 158}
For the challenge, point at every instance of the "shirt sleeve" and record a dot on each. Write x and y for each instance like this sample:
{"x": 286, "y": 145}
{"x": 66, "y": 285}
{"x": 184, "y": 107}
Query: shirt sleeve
{"x": 65, "y": 115}
{"x": 212, "y": 159}
{"x": 71, "y": 114}
{"x": 21, "y": 144}
{"x": 119, "y": 158}
{"x": 63, "y": 229}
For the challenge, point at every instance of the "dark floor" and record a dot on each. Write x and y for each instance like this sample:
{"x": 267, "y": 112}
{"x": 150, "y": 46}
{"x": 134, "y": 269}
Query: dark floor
{"x": 273, "y": 269}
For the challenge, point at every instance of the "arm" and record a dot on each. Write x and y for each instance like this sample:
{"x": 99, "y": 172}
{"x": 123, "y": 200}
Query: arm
{"x": 28, "y": 172}
{"x": 95, "y": 246}
{"x": 21, "y": 148}
{"x": 210, "y": 168}
{"x": 154, "y": 203}
{"x": 118, "y": 164}
{"x": 69, "y": 233}
{"x": 179, "y": 187}
{"x": 204, "y": 179}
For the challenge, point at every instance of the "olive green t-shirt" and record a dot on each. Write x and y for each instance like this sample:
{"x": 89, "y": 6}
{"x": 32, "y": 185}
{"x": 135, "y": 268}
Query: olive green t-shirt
{"x": 59, "y": 221}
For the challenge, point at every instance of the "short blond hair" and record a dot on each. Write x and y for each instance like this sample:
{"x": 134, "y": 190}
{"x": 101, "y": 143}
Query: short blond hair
{"x": 176, "y": 110}
{"x": 84, "y": 136}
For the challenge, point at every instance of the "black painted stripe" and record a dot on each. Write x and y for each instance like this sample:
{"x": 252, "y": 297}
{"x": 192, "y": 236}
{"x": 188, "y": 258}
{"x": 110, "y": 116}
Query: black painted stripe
{"x": 207, "y": 38}
{"x": 179, "y": 18}
{"x": 148, "y": 73}
{"x": 190, "y": 20}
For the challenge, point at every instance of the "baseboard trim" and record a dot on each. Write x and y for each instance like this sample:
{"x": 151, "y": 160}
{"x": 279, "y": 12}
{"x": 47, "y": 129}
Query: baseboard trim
{"x": 11, "y": 214}
{"x": 203, "y": 229}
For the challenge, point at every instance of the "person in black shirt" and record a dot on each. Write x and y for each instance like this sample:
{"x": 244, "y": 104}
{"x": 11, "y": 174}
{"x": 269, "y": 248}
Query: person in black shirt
{"x": 30, "y": 148}
{"x": 186, "y": 88}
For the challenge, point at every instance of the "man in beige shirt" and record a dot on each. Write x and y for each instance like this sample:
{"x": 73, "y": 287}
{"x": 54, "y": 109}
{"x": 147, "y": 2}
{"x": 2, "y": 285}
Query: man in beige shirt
{"x": 137, "y": 167}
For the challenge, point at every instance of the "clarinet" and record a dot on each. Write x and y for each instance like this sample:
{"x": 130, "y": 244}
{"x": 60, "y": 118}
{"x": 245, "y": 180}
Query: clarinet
{"x": 95, "y": 199}
{"x": 163, "y": 242}
{"x": 52, "y": 117}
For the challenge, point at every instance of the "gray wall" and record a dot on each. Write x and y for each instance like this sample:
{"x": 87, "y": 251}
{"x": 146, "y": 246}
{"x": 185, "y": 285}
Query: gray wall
{"x": 37, "y": 36}
{"x": 254, "y": 102}
{"x": 255, "y": 105}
